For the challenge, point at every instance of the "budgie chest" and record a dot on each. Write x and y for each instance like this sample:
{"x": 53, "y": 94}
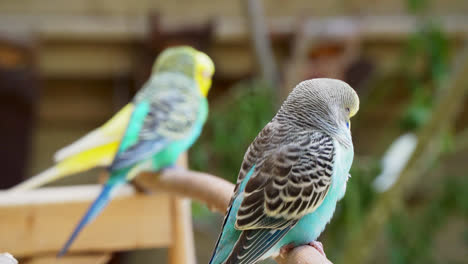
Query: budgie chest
{"x": 171, "y": 153}
{"x": 311, "y": 226}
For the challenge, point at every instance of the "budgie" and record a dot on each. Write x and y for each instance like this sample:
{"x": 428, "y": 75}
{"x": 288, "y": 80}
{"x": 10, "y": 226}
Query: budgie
{"x": 292, "y": 175}
{"x": 99, "y": 147}
{"x": 166, "y": 118}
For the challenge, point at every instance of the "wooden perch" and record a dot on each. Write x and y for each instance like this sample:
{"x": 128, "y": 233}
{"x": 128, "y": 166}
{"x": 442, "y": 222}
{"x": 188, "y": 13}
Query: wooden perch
{"x": 183, "y": 242}
{"x": 303, "y": 255}
{"x": 216, "y": 193}
{"x": 213, "y": 191}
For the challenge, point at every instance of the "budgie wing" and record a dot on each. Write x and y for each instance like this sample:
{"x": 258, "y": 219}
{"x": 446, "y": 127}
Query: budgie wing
{"x": 289, "y": 183}
{"x": 169, "y": 116}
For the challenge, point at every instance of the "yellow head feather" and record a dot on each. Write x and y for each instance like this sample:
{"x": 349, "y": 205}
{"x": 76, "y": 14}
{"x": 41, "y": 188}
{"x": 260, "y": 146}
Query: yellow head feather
{"x": 189, "y": 61}
{"x": 204, "y": 70}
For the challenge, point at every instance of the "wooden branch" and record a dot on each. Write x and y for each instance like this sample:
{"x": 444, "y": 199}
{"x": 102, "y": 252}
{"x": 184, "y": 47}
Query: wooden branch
{"x": 216, "y": 193}
{"x": 212, "y": 191}
{"x": 427, "y": 151}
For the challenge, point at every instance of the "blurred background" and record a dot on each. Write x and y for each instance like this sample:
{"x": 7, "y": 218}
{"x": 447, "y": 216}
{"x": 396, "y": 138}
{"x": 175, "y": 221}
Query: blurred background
{"x": 67, "y": 66}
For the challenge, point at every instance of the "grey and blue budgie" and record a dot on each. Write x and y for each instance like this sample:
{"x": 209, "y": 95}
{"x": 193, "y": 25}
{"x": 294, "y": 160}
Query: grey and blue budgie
{"x": 292, "y": 175}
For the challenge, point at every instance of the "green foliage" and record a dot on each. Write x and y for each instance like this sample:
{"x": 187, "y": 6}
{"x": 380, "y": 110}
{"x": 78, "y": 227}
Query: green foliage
{"x": 424, "y": 66}
{"x": 412, "y": 235}
{"x": 417, "y": 6}
{"x": 448, "y": 142}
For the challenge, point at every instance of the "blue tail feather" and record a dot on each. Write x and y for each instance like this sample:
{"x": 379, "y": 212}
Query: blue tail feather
{"x": 98, "y": 205}
{"x": 227, "y": 239}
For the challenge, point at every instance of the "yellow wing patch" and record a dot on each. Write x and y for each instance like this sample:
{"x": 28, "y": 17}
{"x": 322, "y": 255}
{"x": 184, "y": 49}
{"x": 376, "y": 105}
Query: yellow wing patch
{"x": 116, "y": 126}
{"x": 111, "y": 131}
{"x": 98, "y": 156}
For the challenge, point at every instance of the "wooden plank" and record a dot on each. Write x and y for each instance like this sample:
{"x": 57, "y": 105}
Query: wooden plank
{"x": 70, "y": 100}
{"x": 206, "y": 8}
{"x": 232, "y": 29}
{"x": 85, "y": 59}
{"x": 103, "y": 46}
{"x": 182, "y": 250}
{"x": 87, "y": 106}
{"x": 40, "y": 221}
{"x": 80, "y": 259}
{"x": 203, "y": 8}
{"x": 116, "y": 28}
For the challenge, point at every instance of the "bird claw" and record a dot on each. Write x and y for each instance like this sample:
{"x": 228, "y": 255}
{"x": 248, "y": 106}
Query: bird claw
{"x": 286, "y": 249}
{"x": 318, "y": 246}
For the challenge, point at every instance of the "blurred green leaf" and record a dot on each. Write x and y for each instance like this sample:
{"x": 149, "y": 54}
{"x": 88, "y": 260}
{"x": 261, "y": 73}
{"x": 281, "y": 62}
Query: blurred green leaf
{"x": 417, "y": 5}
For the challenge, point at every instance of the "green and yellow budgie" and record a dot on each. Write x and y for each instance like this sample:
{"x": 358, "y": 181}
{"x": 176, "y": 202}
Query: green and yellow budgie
{"x": 163, "y": 120}
{"x": 98, "y": 147}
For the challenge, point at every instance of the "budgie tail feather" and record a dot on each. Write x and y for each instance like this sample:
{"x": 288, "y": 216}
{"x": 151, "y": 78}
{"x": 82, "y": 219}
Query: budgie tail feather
{"x": 94, "y": 210}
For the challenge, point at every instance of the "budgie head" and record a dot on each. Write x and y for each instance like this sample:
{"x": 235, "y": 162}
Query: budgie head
{"x": 323, "y": 104}
{"x": 188, "y": 61}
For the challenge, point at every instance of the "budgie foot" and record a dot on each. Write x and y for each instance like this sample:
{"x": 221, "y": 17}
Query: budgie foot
{"x": 318, "y": 246}
{"x": 286, "y": 249}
